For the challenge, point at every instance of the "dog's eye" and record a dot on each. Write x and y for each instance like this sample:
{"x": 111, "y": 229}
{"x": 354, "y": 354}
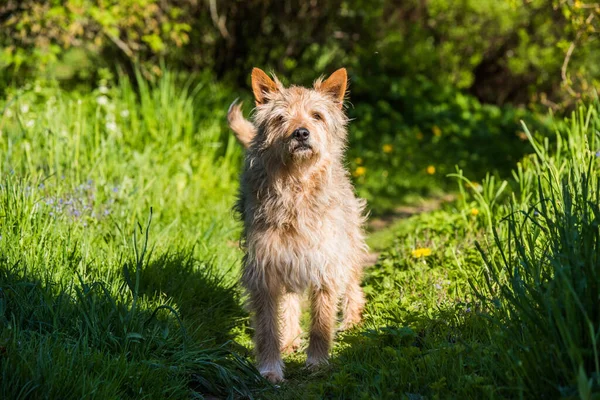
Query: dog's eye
{"x": 278, "y": 120}
{"x": 317, "y": 116}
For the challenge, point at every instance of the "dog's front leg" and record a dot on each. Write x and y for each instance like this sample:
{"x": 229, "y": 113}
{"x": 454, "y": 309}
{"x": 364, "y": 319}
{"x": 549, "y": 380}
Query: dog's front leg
{"x": 324, "y": 303}
{"x": 353, "y": 300}
{"x": 290, "y": 322}
{"x": 266, "y": 333}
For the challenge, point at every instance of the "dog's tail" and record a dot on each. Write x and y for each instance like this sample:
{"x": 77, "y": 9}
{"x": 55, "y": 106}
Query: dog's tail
{"x": 244, "y": 130}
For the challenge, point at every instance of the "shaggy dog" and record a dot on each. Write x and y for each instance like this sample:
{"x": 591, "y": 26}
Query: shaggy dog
{"x": 302, "y": 221}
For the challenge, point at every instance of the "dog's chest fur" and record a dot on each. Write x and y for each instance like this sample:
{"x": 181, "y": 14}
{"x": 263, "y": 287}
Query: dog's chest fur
{"x": 301, "y": 231}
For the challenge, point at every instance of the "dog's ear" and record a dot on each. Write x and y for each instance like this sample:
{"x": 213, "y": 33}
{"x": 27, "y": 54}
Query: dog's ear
{"x": 335, "y": 85}
{"x": 262, "y": 85}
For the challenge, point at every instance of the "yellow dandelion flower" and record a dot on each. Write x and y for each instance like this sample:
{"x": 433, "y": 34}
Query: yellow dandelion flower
{"x": 387, "y": 148}
{"x": 358, "y": 160}
{"x": 474, "y": 211}
{"x": 420, "y": 136}
{"x": 360, "y": 171}
{"x": 431, "y": 170}
{"x": 436, "y": 130}
{"x": 421, "y": 252}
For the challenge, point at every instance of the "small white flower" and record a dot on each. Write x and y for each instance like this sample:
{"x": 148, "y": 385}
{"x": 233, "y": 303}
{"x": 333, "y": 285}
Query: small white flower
{"x": 8, "y": 113}
{"x": 37, "y": 88}
{"x": 30, "y": 123}
{"x": 111, "y": 126}
{"x": 24, "y": 108}
{"x": 103, "y": 89}
{"x": 102, "y": 100}
{"x": 125, "y": 113}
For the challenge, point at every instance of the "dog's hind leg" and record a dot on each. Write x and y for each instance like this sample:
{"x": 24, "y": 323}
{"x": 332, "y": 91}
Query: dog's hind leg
{"x": 264, "y": 303}
{"x": 324, "y": 304}
{"x": 290, "y": 322}
{"x": 353, "y": 301}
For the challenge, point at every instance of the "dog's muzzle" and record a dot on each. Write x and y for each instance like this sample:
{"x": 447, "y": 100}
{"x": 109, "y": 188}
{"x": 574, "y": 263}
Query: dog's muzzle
{"x": 301, "y": 141}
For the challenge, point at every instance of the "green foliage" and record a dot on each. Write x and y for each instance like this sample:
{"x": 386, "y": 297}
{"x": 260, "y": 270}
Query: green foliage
{"x": 441, "y": 82}
{"x": 500, "y": 51}
{"x": 543, "y": 277}
{"x": 52, "y": 36}
{"x": 426, "y": 135}
{"x": 90, "y": 301}
{"x": 93, "y": 302}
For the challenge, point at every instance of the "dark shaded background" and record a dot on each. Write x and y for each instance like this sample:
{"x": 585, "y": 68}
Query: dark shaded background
{"x": 445, "y": 83}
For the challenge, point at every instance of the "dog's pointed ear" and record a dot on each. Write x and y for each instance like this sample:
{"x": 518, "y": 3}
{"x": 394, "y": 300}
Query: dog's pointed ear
{"x": 262, "y": 86}
{"x": 335, "y": 85}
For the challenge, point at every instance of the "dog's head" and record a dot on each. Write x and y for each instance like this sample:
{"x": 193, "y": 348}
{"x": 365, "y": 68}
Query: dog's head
{"x": 299, "y": 126}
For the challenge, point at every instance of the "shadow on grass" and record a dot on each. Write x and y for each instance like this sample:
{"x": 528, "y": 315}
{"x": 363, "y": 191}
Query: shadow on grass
{"x": 209, "y": 306}
{"x": 72, "y": 339}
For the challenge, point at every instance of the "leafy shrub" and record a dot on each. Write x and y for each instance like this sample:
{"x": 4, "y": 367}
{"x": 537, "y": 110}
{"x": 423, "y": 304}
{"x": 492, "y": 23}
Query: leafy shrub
{"x": 65, "y": 39}
{"x": 440, "y": 83}
{"x": 408, "y": 146}
{"x": 499, "y": 51}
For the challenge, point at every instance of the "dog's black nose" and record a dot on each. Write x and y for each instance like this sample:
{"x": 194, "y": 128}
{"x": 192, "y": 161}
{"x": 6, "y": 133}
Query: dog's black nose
{"x": 301, "y": 134}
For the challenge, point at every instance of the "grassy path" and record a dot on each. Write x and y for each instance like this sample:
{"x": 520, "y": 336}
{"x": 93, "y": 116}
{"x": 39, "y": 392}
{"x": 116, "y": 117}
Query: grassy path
{"x": 381, "y": 230}
{"x": 415, "y": 308}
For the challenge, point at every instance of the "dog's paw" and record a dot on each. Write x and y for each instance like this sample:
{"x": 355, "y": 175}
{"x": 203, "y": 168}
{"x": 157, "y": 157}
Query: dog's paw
{"x": 313, "y": 363}
{"x": 272, "y": 376}
{"x": 272, "y": 372}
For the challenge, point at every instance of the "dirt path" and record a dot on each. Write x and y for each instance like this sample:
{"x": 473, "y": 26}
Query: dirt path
{"x": 379, "y": 225}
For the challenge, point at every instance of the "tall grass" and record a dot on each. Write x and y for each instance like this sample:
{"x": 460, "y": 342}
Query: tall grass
{"x": 93, "y": 300}
{"x": 543, "y": 270}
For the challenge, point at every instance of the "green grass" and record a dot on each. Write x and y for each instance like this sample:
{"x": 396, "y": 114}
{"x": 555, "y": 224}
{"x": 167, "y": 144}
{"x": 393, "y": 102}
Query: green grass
{"x": 543, "y": 273}
{"x": 96, "y": 300}
{"x": 119, "y": 262}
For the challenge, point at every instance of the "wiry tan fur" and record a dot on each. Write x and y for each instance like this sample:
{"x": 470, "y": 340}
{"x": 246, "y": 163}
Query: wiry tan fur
{"x": 243, "y": 129}
{"x": 302, "y": 222}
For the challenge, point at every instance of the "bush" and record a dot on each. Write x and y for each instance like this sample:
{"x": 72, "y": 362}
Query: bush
{"x": 407, "y": 147}
{"x": 70, "y": 39}
{"x": 500, "y": 51}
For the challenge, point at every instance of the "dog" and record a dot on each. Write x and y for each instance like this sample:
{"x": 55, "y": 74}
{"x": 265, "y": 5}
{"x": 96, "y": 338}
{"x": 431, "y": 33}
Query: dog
{"x": 302, "y": 222}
